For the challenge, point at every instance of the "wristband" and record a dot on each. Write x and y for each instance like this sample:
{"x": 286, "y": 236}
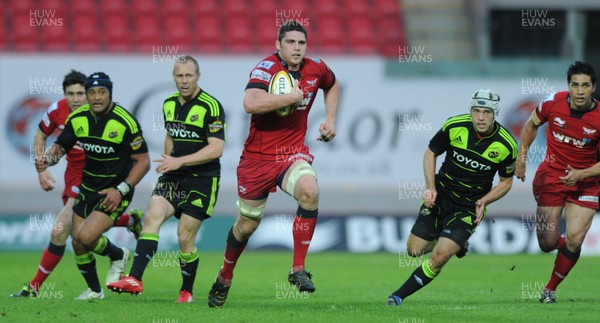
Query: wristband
{"x": 123, "y": 188}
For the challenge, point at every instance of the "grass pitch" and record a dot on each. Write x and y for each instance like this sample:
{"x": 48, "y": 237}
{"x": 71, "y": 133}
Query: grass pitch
{"x": 350, "y": 288}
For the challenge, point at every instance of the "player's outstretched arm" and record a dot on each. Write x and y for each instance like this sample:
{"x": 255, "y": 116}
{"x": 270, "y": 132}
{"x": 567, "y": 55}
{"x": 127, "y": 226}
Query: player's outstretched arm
{"x": 527, "y": 136}
{"x": 332, "y": 100}
{"x": 258, "y": 101}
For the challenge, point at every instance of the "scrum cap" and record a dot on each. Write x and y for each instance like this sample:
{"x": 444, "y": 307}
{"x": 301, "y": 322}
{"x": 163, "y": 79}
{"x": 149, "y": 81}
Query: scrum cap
{"x": 99, "y": 79}
{"x": 485, "y": 98}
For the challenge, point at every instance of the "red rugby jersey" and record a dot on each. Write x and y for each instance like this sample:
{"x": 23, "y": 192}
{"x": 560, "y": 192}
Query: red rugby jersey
{"x": 273, "y": 137}
{"x": 55, "y": 118}
{"x": 573, "y": 137}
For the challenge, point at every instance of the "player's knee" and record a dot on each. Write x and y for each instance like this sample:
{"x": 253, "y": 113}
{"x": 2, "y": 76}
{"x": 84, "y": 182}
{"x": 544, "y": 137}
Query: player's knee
{"x": 414, "y": 252}
{"x": 546, "y": 245}
{"x": 307, "y": 191}
{"x": 251, "y": 212}
{"x": 86, "y": 239}
{"x": 185, "y": 238}
{"x": 574, "y": 241}
{"x": 59, "y": 234}
{"x": 244, "y": 228}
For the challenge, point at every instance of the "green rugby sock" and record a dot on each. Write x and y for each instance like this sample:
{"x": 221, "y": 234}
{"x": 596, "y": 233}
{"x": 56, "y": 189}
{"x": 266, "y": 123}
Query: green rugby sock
{"x": 144, "y": 251}
{"x": 422, "y": 276}
{"x": 189, "y": 265}
{"x": 87, "y": 267}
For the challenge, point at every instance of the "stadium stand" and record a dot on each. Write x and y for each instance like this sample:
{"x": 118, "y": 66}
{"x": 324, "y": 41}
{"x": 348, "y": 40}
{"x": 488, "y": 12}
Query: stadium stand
{"x": 362, "y": 27}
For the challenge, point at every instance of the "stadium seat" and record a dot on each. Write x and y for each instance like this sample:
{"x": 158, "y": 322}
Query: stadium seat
{"x": 331, "y": 37}
{"x": 241, "y": 37}
{"x": 87, "y": 35}
{"x": 208, "y": 9}
{"x": 265, "y": 8}
{"x": 390, "y": 36}
{"x": 384, "y": 8}
{"x": 148, "y": 33}
{"x": 233, "y": 9}
{"x": 266, "y": 34}
{"x": 24, "y": 37}
{"x": 117, "y": 32}
{"x": 57, "y": 5}
{"x": 178, "y": 8}
{"x": 57, "y": 39}
{"x": 177, "y": 33}
{"x": 357, "y": 9}
{"x": 114, "y": 7}
{"x": 21, "y": 7}
{"x": 362, "y": 38}
{"x": 327, "y": 8}
{"x": 209, "y": 35}
{"x": 82, "y": 8}
{"x": 142, "y": 8}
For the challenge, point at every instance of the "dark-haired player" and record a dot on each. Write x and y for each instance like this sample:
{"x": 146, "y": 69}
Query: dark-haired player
{"x": 477, "y": 147}
{"x": 275, "y": 155}
{"x": 569, "y": 180}
{"x": 116, "y": 159}
{"x": 54, "y": 118}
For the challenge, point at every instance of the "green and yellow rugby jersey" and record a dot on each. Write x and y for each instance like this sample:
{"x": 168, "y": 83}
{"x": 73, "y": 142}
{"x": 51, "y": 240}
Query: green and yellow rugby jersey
{"x": 471, "y": 161}
{"x": 108, "y": 142}
{"x": 190, "y": 125}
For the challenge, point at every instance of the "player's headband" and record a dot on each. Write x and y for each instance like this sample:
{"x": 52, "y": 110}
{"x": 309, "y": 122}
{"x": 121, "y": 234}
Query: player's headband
{"x": 485, "y": 98}
{"x": 99, "y": 79}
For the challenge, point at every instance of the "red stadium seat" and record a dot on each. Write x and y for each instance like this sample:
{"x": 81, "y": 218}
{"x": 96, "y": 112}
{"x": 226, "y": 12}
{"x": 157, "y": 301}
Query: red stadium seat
{"x": 177, "y": 8}
{"x": 82, "y": 8}
{"x": 357, "y": 9}
{"x": 327, "y": 8}
{"x": 331, "y": 36}
{"x": 117, "y": 33}
{"x": 178, "y": 33}
{"x": 57, "y": 5}
{"x": 87, "y": 35}
{"x": 21, "y": 7}
{"x": 24, "y": 36}
{"x": 209, "y": 35}
{"x": 57, "y": 39}
{"x": 114, "y": 7}
{"x": 208, "y": 9}
{"x": 148, "y": 32}
{"x": 390, "y": 36}
{"x": 233, "y": 9}
{"x": 266, "y": 34}
{"x": 362, "y": 37}
{"x": 386, "y": 8}
{"x": 265, "y": 8}
{"x": 142, "y": 8}
{"x": 241, "y": 36}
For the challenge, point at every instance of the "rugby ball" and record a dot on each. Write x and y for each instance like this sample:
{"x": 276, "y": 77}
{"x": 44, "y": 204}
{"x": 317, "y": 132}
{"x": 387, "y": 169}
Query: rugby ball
{"x": 282, "y": 83}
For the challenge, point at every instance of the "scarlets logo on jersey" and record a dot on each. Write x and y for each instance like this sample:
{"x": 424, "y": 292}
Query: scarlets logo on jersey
{"x": 587, "y": 131}
{"x": 579, "y": 143}
{"x": 469, "y": 162}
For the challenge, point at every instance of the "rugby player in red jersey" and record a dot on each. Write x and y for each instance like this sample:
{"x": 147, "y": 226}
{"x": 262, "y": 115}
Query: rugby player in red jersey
{"x": 53, "y": 119}
{"x": 568, "y": 177}
{"x": 275, "y": 154}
